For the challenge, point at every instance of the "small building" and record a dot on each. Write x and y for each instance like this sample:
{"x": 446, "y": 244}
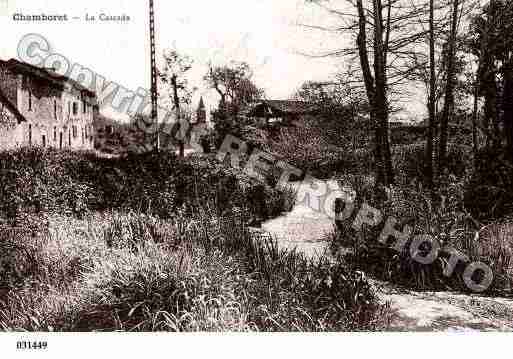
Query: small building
{"x": 39, "y": 107}
{"x": 278, "y": 112}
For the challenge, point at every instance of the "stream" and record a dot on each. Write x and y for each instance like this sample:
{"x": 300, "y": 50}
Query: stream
{"x": 308, "y": 231}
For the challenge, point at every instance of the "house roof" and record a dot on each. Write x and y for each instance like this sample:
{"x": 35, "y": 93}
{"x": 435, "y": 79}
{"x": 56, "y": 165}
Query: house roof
{"x": 45, "y": 74}
{"x": 278, "y": 108}
{"x": 5, "y": 101}
{"x": 290, "y": 106}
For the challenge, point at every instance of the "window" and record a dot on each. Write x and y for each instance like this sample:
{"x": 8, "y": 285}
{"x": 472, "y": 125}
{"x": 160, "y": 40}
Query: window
{"x": 75, "y": 131}
{"x": 55, "y": 109}
{"x": 43, "y": 140}
{"x": 69, "y": 108}
{"x": 30, "y": 101}
{"x": 75, "y": 108}
{"x": 54, "y": 134}
{"x": 84, "y": 106}
{"x": 30, "y": 135}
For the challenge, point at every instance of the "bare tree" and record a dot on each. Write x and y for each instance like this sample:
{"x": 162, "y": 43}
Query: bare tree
{"x": 173, "y": 75}
{"x": 448, "y": 110}
{"x": 432, "y": 97}
{"x": 388, "y": 43}
{"x": 507, "y": 104}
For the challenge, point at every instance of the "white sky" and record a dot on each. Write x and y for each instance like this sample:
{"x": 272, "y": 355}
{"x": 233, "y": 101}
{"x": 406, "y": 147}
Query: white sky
{"x": 263, "y": 33}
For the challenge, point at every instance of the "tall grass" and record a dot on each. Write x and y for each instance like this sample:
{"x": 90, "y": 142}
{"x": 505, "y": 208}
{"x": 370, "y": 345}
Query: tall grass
{"x": 135, "y": 272}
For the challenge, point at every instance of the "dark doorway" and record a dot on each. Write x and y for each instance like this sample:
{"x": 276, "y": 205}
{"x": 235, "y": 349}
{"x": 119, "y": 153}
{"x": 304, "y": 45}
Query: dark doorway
{"x": 44, "y": 140}
{"x": 60, "y": 140}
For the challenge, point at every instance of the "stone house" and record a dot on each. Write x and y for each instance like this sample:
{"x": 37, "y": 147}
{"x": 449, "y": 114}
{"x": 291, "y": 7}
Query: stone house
{"x": 39, "y": 107}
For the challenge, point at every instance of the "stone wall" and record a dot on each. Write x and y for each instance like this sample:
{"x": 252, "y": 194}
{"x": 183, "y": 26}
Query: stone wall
{"x": 58, "y": 115}
{"x": 11, "y": 133}
{"x": 9, "y": 85}
{"x": 78, "y": 120}
{"x": 55, "y": 117}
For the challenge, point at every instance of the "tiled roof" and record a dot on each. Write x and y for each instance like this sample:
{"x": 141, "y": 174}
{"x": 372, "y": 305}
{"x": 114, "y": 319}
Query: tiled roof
{"x": 279, "y": 107}
{"x": 46, "y": 74}
{"x": 290, "y": 106}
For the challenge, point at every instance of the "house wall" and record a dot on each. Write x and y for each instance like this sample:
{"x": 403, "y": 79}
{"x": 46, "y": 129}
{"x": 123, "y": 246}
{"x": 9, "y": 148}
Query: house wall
{"x": 78, "y": 125}
{"x": 55, "y": 117}
{"x": 49, "y": 110}
{"x": 9, "y": 83}
{"x": 39, "y": 102}
{"x": 11, "y": 133}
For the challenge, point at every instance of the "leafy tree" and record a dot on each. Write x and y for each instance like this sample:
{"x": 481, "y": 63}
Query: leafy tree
{"x": 234, "y": 85}
{"x": 492, "y": 44}
{"x": 340, "y": 110}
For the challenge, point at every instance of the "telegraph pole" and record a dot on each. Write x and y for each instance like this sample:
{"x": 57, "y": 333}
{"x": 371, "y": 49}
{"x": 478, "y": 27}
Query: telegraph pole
{"x": 154, "y": 112}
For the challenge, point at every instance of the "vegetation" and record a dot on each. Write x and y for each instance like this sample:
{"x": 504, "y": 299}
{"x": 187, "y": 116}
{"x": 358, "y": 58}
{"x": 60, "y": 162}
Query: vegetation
{"x": 148, "y": 243}
{"x": 144, "y": 242}
{"x": 450, "y": 217}
{"x": 236, "y": 89}
{"x": 47, "y": 181}
{"x": 138, "y": 273}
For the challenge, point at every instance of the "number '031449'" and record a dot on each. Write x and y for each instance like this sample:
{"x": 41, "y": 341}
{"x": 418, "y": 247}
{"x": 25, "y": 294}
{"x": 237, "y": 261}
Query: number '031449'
{"x": 31, "y": 345}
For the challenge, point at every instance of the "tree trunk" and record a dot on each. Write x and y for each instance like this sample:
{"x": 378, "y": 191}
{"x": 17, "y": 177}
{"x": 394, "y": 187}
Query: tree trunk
{"x": 432, "y": 98}
{"x": 380, "y": 103}
{"x": 370, "y": 90}
{"x": 488, "y": 80}
{"x": 475, "y": 115}
{"x": 490, "y": 110}
{"x": 448, "y": 109}
{"x": 507, "y": 104}
{"x": 176, "y": 99}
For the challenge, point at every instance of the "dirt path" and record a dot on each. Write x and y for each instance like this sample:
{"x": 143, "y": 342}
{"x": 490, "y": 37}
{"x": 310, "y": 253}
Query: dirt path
{"x": 307, "y": 231}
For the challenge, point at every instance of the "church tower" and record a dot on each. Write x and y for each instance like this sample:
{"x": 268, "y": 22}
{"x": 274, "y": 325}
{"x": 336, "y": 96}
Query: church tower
{"x": 201, "y": 113}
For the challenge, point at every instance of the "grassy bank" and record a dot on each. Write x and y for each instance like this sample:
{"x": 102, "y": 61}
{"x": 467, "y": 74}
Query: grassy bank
{"x": 140, "y": 273}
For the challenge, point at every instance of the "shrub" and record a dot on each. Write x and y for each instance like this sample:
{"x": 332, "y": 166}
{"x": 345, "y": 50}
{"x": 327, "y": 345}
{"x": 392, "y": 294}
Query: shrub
{"x": 489, "y": 192}
{"x": 37, "y": 181}
{"x": 445, "y": 218}
{"x": 410, "y": 161}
